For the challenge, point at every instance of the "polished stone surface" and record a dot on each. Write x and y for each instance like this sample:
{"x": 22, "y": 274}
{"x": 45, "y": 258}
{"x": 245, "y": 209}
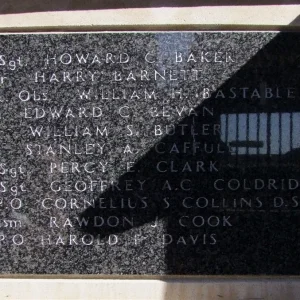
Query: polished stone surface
{"x": 150, "y": 153}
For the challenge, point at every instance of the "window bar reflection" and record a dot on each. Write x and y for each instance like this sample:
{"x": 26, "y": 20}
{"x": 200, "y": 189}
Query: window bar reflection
{"x": 258, "y": 137}
{"x": 227, "y": 132}
{"x": 291, "y": 131}
{"x": 280, "y": 137}
{"x": 268, "y": 140}
{"x": 247, "y": 137}
{"x": 237, "y": 138}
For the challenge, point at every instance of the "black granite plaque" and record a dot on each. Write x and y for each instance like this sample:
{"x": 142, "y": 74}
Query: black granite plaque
{"x": 150, "y": 153}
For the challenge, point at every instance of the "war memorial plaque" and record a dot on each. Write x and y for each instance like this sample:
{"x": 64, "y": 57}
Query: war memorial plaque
{"x": 150, "y": 153}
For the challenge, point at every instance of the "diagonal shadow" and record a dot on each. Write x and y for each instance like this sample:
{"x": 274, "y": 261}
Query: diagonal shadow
{"x": 15, "y": 6}
{"x": 247, "y": 235}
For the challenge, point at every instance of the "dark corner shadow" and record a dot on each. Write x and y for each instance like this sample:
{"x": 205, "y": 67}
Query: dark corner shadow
{"x": 16, "y": 6}
{"x": 248, "y": 246}
{"x": 295, "y": 22}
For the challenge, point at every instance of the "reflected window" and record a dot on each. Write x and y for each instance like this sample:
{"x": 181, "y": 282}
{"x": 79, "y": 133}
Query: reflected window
{"x": 261, "y": 133}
